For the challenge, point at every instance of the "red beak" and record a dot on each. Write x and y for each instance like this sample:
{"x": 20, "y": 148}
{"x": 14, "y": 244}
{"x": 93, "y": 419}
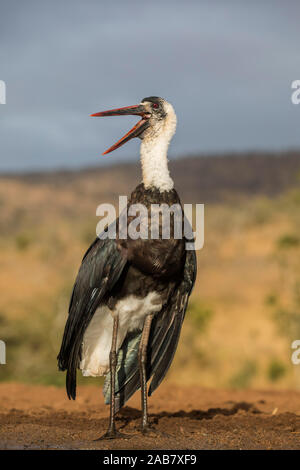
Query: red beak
{"x": 136, "y": 131}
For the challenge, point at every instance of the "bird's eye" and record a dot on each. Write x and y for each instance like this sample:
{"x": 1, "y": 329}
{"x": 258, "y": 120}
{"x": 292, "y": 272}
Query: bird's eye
{"x": 154, "y": 105}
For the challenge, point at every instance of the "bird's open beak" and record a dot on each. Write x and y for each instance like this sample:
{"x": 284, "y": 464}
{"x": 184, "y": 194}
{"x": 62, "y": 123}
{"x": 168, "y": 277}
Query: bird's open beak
{"x": 136, "y": 131}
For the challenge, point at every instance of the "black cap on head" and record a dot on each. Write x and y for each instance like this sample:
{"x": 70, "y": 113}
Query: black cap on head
{"x": 153, "y": 99}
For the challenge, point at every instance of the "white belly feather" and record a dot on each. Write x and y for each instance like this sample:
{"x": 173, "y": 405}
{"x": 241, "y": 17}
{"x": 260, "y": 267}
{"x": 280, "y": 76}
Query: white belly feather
{"x": 98, "y": 335}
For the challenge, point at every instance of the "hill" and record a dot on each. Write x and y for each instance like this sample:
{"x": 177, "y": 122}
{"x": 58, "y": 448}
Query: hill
{"x": 198, "y": 178}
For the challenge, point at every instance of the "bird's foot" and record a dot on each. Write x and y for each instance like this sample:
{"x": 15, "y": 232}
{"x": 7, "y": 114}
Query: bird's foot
{"x": 113, "y": 434}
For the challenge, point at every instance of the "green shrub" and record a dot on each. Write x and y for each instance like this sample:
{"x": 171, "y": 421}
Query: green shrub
{"x": 23, "y": 241}
{"x": 244, "y": 376}
{"x": 200, "y": 315}
{"x": 288, "y": 241}
{"x": 276, "y": 370}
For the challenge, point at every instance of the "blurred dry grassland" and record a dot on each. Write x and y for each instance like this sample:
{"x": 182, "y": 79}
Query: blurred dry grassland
{"x": 245, "y": 309}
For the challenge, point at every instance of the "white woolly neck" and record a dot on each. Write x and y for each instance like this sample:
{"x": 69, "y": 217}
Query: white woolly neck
{"x": 155, "y": 164}
{"x": 154, "y": 149}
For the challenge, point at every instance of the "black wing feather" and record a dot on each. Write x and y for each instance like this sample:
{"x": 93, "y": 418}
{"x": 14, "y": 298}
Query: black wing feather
{"x": 101, "y": 268}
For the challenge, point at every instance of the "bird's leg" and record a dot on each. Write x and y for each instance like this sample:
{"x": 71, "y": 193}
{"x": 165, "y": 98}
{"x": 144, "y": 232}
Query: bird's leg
{"x": 113, "y": 365}
{"x": 142, "y": 364}
{"x": 112, "y": 433}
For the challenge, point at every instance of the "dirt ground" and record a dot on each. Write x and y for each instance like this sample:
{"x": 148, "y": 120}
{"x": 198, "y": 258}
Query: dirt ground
{"x": 38, "y": 417}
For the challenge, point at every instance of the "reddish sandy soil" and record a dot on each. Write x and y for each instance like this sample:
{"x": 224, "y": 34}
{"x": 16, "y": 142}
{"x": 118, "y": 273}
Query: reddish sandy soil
{"x": 36, "y": 417}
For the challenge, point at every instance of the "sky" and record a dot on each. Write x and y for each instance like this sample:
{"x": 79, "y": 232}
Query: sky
{"x": 226, "y": 66}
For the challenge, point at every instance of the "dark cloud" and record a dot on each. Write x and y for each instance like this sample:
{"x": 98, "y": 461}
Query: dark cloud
{"x": 226, "y": 66}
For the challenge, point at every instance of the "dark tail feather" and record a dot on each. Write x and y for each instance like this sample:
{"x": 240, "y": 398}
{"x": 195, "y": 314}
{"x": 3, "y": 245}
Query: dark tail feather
{"x": 71, "y": 376}
{"x": 71, "y": 383}
{"x": 67, "y": 362}
{"x": 161, "y": 366}
{"x": 168, "y": 348}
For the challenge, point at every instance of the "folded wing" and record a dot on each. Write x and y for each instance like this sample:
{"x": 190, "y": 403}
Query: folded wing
{"x": 101, "y": 268}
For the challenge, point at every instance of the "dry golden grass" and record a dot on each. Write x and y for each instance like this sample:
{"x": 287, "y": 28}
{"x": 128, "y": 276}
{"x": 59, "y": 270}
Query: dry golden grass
{"x": 231, "y": 337}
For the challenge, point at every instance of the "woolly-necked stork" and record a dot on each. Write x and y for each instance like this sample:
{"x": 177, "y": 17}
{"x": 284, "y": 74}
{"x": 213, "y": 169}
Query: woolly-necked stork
{"x": 130, "y": 295}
